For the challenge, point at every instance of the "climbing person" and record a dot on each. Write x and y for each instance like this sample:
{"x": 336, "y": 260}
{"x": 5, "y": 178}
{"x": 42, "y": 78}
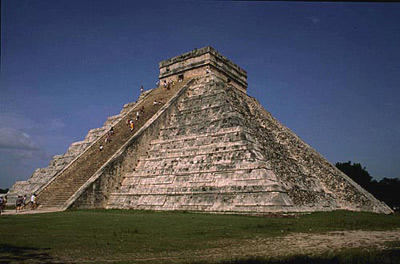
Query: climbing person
{"x": 156, "y": 102}
{"x": 101, "y": 147}
{"x": 137, "y": 115}
{"x": 131, "y": 125}
{"x": 33, "y": 201}
{"x": 141, "y": 89}
{"x": 108, "y": 138}
{"x": 111, "y": 131}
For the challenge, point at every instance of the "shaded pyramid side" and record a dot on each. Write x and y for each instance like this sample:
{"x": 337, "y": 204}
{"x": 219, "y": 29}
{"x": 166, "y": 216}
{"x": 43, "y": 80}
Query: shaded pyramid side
{"x": 42, "y": 176}
{"x": 312, "y": 182}
{"x": 220, "y": 151}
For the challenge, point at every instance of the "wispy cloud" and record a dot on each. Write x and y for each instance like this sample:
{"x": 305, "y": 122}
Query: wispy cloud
{"x": 27, "y": 144}
{"x": 56, "y": 124}
{"x": 13, "y": 139}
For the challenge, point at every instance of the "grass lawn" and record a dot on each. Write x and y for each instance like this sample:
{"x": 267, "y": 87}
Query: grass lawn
{"x": 122, "y": 235}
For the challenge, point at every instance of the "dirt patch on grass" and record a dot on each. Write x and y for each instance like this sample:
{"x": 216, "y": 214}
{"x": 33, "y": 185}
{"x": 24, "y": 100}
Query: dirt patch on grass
{"x": 293, "y": 244}
{"x": 308, "y": 243}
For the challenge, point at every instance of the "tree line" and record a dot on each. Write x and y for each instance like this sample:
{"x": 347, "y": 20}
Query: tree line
{"x": 3, "y": 190}
{"x": 386, "y": 190}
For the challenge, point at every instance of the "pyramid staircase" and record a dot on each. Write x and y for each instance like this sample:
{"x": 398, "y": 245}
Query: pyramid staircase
{"x": 57, "y": 192}
{"x": 42, "y": 176}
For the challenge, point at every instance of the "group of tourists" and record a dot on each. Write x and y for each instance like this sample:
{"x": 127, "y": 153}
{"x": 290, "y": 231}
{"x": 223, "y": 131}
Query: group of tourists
{"x": 131, "y": 123}
{"x": 169, "y": 84}
{"x": 21, "y": 202}
{"x": 108, "y": 138}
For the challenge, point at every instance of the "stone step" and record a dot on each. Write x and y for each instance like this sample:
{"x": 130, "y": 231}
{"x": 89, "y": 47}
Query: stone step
{"x": 210, "y": 107}
{"x": 210, "y": 188}
{"x": 204, "y": 127}
{"x": 199, "y": 168}
{"x": 207, "y": 104}
{"x": 207, "y": 97}
{"x": 201, "y": 149}
{"x": 223, "y": 132}
{"x": 192, "y": 159}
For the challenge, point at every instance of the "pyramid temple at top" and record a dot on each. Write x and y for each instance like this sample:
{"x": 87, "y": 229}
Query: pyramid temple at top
{"x": 200, "y": 144}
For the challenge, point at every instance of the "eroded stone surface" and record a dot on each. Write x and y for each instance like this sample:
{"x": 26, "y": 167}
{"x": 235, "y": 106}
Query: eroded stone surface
{"x": 211, "y": 148}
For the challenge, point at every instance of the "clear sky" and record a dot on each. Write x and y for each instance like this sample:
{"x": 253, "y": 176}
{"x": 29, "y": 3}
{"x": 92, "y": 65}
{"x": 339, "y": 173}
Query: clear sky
{"x": 328, "y": 71}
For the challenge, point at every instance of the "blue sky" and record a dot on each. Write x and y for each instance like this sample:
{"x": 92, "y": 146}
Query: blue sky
{"x": 328, "y": 71}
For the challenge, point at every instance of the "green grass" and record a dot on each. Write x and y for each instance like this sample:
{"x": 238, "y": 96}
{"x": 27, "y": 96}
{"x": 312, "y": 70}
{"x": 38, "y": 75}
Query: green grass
{"x": 94, "y": 235}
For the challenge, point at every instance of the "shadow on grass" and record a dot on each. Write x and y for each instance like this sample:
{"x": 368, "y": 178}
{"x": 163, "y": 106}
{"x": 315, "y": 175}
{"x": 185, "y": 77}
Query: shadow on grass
{"x": 391, "y": 256}
{"x": 15, "y": 254}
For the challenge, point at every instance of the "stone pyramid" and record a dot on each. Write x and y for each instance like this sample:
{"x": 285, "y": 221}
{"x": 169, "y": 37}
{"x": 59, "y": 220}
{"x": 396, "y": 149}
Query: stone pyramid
{"x": 208, "y": 147}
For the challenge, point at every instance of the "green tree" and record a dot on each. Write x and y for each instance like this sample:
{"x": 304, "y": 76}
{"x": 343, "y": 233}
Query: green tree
{"x": 357, "y": 173}
{"x": 386, "y": 190}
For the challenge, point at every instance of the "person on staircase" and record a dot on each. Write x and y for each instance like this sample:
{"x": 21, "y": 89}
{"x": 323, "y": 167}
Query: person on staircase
{"x": 141, "y": 89}
{"x": 131, "y": 124}
{"x": 108, "y": 138}
{"x": 33, "y": 201}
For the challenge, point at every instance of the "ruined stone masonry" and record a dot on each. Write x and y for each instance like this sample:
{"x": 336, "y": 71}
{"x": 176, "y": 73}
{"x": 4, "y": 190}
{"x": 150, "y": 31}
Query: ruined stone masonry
{"x": 208, "y": 147}
{"x": 43, "y": 175}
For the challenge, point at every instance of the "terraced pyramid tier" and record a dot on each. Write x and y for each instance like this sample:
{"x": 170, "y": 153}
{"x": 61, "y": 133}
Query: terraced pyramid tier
{"x": 220, "y": 151}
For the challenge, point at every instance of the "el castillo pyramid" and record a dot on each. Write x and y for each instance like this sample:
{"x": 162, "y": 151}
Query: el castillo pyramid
{"x": 202, "y": 144}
